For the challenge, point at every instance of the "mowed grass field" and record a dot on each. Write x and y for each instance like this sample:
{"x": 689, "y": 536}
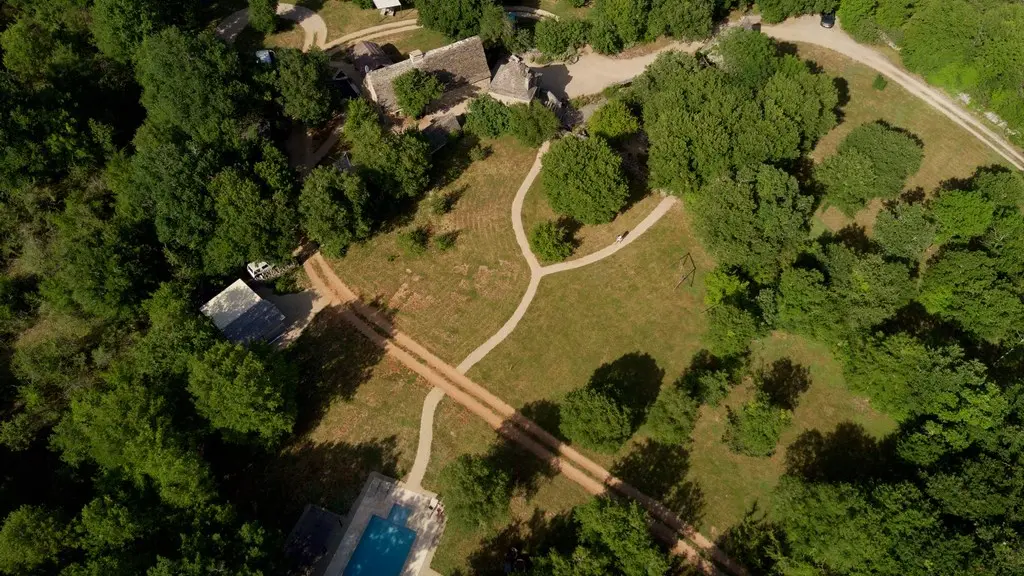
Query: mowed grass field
{"x": 452, "y": 301}
{"x": 589, "y": 238}
{"x": 629, "y": 303}
{"x": 344, "y": 16}
{"x": 949, "y": 150}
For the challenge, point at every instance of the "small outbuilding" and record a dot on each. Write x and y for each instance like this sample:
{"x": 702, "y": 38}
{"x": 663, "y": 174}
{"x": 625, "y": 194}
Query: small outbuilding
{"x": 368, "y": 56}
{"x": 441, "y": 131}
{"x": 313, "y": 542}
{"x": 387, "y": 7}
{"x": 243, "y": 317}
{"x": 513, "y": 82}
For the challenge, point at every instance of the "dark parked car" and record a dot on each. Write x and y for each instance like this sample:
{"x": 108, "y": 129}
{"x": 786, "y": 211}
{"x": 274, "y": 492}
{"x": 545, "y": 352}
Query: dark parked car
{"x": 828, "y": 19}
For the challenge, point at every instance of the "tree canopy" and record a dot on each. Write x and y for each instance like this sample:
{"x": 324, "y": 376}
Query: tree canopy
{"x": 415, "y": 90}
{"x": 583, "y": 179}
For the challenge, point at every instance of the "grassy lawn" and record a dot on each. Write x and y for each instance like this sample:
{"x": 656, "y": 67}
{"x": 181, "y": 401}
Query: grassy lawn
{"x": 452, "y": 301}
{"x": 344, "y": 17}
{"x": 589, "y": 238}
{"x": 359, "y": 411}
{"x": 732, "y": 483}
{"x": 626, "y": 304}
{"x": 949, "y": 151}
{"x": 398, "y": 46}
{"x": 561, "y": 8}
{"x": 538, "y": 497}
{"x": 288, "y": 35}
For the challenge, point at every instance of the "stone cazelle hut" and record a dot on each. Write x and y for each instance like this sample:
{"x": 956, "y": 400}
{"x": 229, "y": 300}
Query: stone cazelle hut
{"x": 461, "y": 66}
{"x": 513, "y": 82}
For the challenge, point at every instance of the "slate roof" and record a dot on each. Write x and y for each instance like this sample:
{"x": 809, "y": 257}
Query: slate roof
{"x": 440, "y": 130}
{"x": 368, "y": 56}
{"x": 457, "y": 65}
{"x": 313, "y": 542}
{"x": 242, "y": 316}
{"x": 513, "y": 81}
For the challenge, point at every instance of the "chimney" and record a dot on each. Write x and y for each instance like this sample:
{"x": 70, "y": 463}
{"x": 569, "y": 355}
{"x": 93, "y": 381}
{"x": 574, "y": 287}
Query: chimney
{"x": 415, "y": 56}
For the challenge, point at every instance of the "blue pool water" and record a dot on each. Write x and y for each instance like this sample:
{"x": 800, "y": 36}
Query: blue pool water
{"x": 384, "y": 546}
{"x": 398, "y": 515}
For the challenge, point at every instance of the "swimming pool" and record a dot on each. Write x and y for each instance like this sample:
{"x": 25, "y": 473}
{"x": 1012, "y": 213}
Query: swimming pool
{"x": 384, "y": 546}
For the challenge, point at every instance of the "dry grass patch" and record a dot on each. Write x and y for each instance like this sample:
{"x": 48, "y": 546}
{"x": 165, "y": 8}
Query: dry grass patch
{"x": 345, "y": 17}
{"x": 452, "y": 301}
{"x": 949, "y": 150}
{"x": 590, "y": 238}
{"x": 398, "y": 46}
{"x": 359, "y": 412}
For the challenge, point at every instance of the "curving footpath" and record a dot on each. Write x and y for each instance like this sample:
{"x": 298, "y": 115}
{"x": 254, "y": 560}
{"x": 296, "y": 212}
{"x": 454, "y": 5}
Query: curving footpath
{"x": 312, "y": 24}
{"x": 419, "y": 467}
{"x": 537, "y": 271}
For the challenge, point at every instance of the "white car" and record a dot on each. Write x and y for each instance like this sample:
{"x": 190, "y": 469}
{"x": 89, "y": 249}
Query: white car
{"x": 259, "y": 270}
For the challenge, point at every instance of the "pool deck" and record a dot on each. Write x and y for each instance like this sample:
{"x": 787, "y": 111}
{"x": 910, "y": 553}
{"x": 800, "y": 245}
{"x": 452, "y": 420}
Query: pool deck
{"x": 379, "y": 494}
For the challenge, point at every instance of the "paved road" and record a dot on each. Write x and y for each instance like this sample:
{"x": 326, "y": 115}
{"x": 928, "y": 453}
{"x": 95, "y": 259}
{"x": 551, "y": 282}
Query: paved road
{"x": 312, "y": 24}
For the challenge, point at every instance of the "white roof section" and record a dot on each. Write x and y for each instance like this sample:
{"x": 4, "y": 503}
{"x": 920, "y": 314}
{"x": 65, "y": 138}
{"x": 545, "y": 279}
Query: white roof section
{"x": 230, "y": 304}
{"x": 387, "y": 4}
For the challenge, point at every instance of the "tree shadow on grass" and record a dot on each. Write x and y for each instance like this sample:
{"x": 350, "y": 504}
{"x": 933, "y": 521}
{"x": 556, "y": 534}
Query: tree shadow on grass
{"x": 633, "y": 380}
{"x": 329, "y": 475}
{"x": 784, "y": 382}
{"x": 659, "y": 470}
{"x": 545, "y": 413}
{"x": 451, "y": 161}
{"x": 530, "y": 538}
{"x": 751, "y": 541}
{"x": 335, "y": 359}
{"x": 524, "y": 469}
{"x": 846, "y": 454}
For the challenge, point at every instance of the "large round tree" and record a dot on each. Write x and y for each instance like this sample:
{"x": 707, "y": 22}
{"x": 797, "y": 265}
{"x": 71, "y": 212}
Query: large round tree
{"x": 583, "y": 179}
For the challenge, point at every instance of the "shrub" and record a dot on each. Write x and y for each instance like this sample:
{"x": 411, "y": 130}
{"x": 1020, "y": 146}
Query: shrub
{"x": 595, "y": 421}
{"x": 583, "y": 179}
{"x": 578, "y": 3}
{"x": 364, "y": 4}
{"x": 673, "y": 415}
{"x": 531, "y": 124}
{"x": 613, "y": 120}
{"x": 711, "y": 387}
{"x": 446, "y": 241}
{"x": 441, "y": 203}
{"x": 904, "y": 231}
{"x": 755, "y": 429}
{"x": 962, "y": 215}
{"x": 263, "y": 15}
{"x": 475, "y": 492}
{"x": 479, "y": 152}
{"x": 551, "y": 242}
{"x": 872, "y": 162}
{"x": 879, "y": 83}
{"x": 415, "y": 90}
{"x": 487, "y": 117}
{"x": 414, "y": 242}
{"x": 730, "y": 330}
{"x": 558, "y": 37}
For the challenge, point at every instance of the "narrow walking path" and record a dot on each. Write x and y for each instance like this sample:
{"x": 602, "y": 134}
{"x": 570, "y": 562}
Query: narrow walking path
{"x": 510, "y": 423}
{"x": 419, "y": 466}
{"x": 312, "y": 24}
{"x": 537, "y": 271}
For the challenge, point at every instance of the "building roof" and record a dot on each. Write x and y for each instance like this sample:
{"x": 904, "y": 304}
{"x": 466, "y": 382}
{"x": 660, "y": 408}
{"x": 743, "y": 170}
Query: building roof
{"x": 313, "y": 542}
{"x": 459, "y": 64}
{"x": 368, "y": 56}
{"x": 382, "y": 4}
{"x": 441, "y": 130}
{"x": 242, "y": 316}
{"x": 513, "y": 80}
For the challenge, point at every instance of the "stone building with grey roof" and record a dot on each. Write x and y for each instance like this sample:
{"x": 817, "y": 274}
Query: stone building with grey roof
{"x": 513, "y": 82}
{"x": 461, "y": 66}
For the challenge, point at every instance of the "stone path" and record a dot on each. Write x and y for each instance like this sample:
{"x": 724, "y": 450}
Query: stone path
{"x": 537, "y": 271}
{"x": 419, "y": 466}
{"x": 312, "y": 24}
{"x": 683, "y": 539}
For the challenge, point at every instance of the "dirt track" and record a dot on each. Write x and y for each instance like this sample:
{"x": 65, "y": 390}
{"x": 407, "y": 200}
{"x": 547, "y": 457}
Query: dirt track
{"x": 510, "y": 424}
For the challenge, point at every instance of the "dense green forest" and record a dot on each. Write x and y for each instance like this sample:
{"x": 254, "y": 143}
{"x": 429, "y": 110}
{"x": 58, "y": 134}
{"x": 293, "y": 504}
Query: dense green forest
{"x": 142, "y": 166}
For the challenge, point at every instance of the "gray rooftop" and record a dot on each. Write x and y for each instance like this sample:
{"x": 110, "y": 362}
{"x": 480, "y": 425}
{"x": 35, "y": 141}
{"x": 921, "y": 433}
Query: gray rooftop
{"x": 513, "y": 81}
{"x": 242, "y": 316}
{"x": 313, "y": 542}
{"x": 459, "y": 64}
